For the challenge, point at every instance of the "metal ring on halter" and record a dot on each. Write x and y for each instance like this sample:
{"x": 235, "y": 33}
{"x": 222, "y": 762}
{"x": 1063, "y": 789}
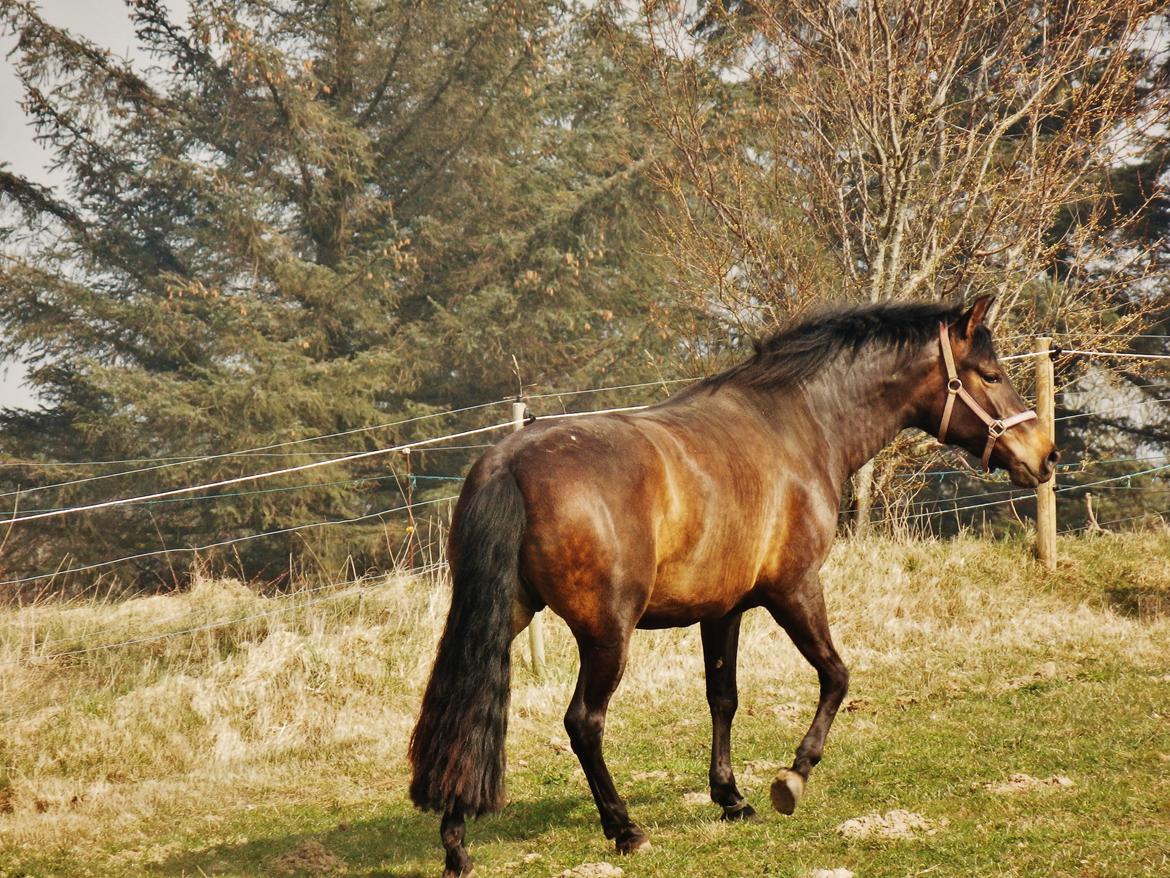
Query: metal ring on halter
{"x": 996, "y": 429}
{"x": 954, "y": 385}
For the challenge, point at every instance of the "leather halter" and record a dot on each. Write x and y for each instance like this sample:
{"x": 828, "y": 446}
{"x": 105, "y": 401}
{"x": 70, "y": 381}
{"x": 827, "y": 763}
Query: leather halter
{"x": 995, "y": 426}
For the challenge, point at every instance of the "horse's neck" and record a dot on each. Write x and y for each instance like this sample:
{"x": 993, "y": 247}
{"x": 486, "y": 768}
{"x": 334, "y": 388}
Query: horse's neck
{"x": 859, "y": 405}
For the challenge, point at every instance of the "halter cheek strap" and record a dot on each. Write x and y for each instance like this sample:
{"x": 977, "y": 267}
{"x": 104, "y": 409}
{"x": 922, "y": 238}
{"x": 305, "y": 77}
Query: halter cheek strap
{"x": 995, "y": 426}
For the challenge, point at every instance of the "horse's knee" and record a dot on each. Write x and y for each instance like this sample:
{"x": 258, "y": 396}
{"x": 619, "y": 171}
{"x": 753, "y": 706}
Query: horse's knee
{"x": 835, "y": 680}
{"x": 585, "y": 727}
{"x": 723, "y": 705}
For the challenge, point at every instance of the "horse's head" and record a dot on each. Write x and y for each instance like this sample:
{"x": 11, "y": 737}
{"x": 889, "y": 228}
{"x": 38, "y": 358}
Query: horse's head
{"x": 975, "y": 407}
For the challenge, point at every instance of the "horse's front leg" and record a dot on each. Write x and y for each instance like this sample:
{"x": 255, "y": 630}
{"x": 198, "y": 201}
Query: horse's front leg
{"x": 720, "y": 645}
{"x": 800, "y": 611}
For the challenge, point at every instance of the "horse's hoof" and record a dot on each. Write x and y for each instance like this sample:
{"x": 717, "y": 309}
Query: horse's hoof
{"x": 742, "y": 811}
{"x": 633, "y": 842}
{"x": 787, "y": 789}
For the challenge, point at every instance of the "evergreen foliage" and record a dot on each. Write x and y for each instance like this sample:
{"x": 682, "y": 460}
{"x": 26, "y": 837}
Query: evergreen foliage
{"x": 307, "y": 218}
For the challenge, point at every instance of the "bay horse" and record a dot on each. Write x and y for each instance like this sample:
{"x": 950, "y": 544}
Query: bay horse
{"x": 722, "y": 498}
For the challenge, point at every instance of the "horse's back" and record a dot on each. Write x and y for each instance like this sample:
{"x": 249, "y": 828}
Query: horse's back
{"x": 654, "y": 519}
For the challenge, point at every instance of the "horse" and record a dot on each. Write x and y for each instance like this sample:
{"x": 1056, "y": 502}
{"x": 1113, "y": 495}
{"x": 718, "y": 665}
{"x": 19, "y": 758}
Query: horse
{"x": 723, "y": 498}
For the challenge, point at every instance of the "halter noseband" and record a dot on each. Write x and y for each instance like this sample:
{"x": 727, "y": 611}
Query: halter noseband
{"x": 995, "y": 427}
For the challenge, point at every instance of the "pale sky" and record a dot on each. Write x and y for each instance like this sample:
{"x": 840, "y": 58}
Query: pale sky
{"x": 106, "y": 23}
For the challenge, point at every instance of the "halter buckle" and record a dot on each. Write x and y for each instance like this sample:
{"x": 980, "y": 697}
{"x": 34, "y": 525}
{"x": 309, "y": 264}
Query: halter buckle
{"x": 996, "y": 429}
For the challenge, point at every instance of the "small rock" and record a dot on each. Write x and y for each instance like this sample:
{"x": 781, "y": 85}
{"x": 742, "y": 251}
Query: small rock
{"x": 1025, "y": 783}
{"x": 592, "y": 870}
{"x": 650, "y": 775}
{"x": 831, "y": 873}
{"x": 560, "y": 745}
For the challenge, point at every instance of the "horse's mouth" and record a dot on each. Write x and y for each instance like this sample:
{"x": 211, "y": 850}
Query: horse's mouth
{"x": 1024, "y": 476}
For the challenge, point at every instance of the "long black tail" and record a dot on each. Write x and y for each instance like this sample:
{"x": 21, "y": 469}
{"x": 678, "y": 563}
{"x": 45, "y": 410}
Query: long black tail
{"x": 457, "y": 748}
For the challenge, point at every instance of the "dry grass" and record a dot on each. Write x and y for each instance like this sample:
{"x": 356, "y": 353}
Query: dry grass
{"x": 309, "y": 698}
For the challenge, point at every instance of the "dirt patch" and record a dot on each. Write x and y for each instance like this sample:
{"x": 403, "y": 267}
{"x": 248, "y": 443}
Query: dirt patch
{"x": 697, "y": 798}
{"x": 657, "y": 775}
{"x": 592, "y": 870}
{"x": 892, "y": 824}
{"x": 560, "y": 745}
{"x": 1025, "y": 783}
{"x": 310, "y": 857}
{"x": 763, "y": 766}
{"x": 757, "y": 771}
{"x": 1141, "y": 603}
{"x": 831, "y": 873}
{"x": 1046, "y": 671}
{"x": 791, "y": 709}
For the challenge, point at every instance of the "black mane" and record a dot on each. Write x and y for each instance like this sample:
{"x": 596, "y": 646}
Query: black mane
{"x": 797, "y": 353}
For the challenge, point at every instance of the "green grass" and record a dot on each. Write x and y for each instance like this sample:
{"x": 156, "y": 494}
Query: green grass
{"x": 279, "y": 750}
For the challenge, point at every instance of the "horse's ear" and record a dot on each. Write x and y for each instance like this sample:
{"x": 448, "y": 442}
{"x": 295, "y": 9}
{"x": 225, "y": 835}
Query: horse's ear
{"x": 973, "y": 316}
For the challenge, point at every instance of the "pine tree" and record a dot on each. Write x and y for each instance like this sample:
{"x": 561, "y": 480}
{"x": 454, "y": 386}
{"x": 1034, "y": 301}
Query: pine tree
{"x": 307, "y": 218}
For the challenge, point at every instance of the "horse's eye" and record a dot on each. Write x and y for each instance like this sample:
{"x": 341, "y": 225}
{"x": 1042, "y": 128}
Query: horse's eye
{"x": 991, "y": 377}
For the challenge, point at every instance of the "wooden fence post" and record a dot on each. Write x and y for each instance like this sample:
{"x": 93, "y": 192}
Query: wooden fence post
{"x": 536, "y": 626}
{"x": 411, "y": 527}
{"x": 1093, "y": 526}
{"x": 1045, "y": 493}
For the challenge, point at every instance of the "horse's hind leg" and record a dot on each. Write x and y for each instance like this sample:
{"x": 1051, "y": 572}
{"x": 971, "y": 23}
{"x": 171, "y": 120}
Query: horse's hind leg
{"x": 602, "y": 665}
{"x": 720, "y": 645}
{"x": 457, "y": 862}
{"x": 801, "y": 612}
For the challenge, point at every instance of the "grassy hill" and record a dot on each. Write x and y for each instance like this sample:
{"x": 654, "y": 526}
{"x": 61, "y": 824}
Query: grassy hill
{"x": 1019, "y": 718}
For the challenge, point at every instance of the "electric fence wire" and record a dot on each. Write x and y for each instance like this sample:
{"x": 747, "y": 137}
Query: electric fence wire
{"x": 302, "y": 604}
{"x": 406, "y": 446}
{"x": 1060, "y": 489}
{"x": 261, "y": 451}
{"x": 226, "y": 454}
{"x": 166, "y": 496}
{"x": 181, "y": 550}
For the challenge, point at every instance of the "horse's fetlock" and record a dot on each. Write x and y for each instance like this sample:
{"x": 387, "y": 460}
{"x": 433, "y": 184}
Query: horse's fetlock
{"x": 722, "y": 781}
{"x": 806, "y": 760}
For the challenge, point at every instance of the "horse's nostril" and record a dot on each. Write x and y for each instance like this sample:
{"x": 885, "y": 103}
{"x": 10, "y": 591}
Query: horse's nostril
{"x": 1053, "y": 457}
